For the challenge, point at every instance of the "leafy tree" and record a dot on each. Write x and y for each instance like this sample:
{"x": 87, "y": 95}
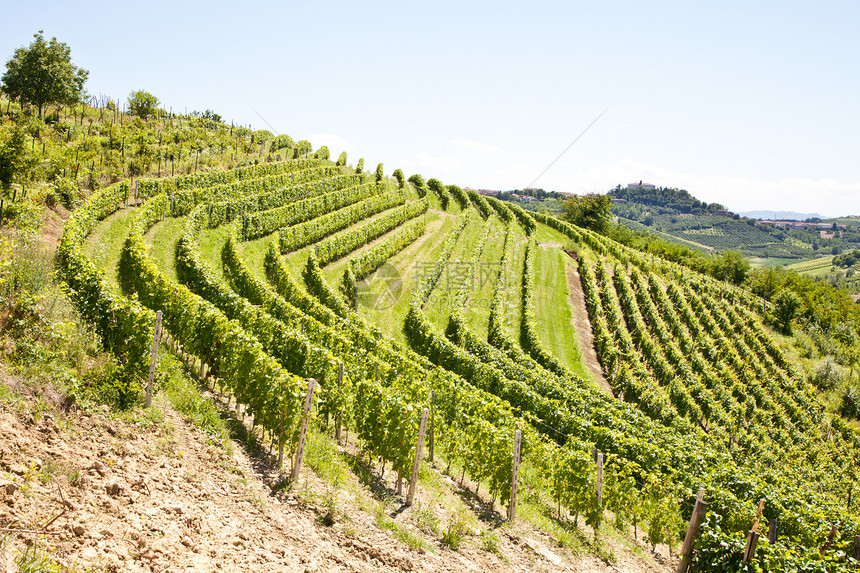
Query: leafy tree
{"x": 281, "y": 142}
{"x": 15, "y": 160}
{"x": 766, "y": 281}
{"x": 360, "y": 167}
{"x": 401, "y": 179}
{"x": 785, "y": 307}
{"x": 379, "y": 173}
{"x": 208, "y": 114}
{"x": 731, "y": 266}
{"x": 261, "y": 136}
{"x": 42, "y": 74}
{"x": 302, "y": 148}
{"x": 847, "y": 259}
{"x": 592, "y": 211}
{"x": 322, "y": 153}
{"x": 341, "y": 159}
{"x": 142, "y": 104}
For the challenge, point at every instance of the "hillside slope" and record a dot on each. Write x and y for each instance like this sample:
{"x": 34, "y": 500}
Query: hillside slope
{"x": 147, "y": 491}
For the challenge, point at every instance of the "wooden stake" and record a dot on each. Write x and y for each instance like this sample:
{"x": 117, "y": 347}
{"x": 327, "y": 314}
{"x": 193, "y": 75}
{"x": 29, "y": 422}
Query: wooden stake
{"x": 300, "y": 449}
{"x": 830, "y": 537}
{"x": 758, "y": 515}
{"x": 337, "y": 428}
{"x": 153, "y": 357}
{"x": 693, "y": 530}
{"x": 752, "y": 543}
{"x": 515, "y": 474}
{"x": 280, "y": 442}
{"x": 857, "y": 547}
{"x": 419, "y": 446}
{"x": 600, "y": 480}
{"x": 771, "y": 531}
{"x": 753, "y": 537}
{"x": 432, "y": 422}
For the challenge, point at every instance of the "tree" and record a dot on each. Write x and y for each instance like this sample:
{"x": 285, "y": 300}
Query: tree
{"x": 360, "y": 167}
{"x": 785, "y": 307}
{"x": 341, "y": 159}
{"x": 142, "y": 104}
{"x": 302, "y": 148}
{"x": 42, "y": 74}
{"x": 208, "y": 114}
{"x": 379, "y": 173}
{"x": 15, "y": 160}
{"x": 731, "y": 266}
{"x": 401, "y": 179}
{"x": 322, "y": 153}
{"x": 592, "y": 211}
{"x": 281, "y": 142}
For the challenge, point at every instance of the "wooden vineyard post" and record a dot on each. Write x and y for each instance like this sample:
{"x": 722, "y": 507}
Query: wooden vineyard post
{"x": 303, "y": 434}
{"x": 280, "y": 441}
{"x": 830, "y": 537}
{"x": 337, "y": 429}
{"x": 1, "y": 212}
{"x": 771, "y": 531}
{"x": 599, "y": 480}
{"x": 752, "y": 540}
{"x": 693, "y": 530}
{"x": 515, "y": 474}
{"x": 418, "y": 449}
{"x": 153, "y": 357}
{"x": 752, "y": 543}
{"x": 857, "y": 547}
{"x": 432, "y": 441}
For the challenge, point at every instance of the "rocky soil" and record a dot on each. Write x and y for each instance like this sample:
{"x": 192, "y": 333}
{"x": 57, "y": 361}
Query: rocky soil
{"x": 149, "y": 492}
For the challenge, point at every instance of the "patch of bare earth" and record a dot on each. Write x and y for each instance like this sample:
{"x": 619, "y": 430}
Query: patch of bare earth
{"x": 582, "y": 325}
{"x": 107, "y": 494}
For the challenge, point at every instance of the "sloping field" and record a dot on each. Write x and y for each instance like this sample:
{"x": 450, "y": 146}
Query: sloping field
{"x": 394, "y": 304}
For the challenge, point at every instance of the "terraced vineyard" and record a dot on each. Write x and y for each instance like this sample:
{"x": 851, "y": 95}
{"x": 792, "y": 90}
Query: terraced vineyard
{"x": 272, "y": 274}
{"x": 815, "y": 266}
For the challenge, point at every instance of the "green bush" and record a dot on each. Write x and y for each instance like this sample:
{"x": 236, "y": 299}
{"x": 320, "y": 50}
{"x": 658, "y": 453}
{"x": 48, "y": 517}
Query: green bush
{"x": 850, "y": 406}
{"x": 115, "y": 385}
{"x": 67, "y": 192}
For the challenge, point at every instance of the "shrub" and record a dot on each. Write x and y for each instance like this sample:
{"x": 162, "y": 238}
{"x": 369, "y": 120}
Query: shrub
{"x": 142, "y": 104}
{"x": 850, "y": 406}
{"x": 828, "y": 374}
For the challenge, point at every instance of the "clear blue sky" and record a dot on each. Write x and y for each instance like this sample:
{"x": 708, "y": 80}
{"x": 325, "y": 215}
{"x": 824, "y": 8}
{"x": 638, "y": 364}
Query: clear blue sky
{"x": 750, "y": 104}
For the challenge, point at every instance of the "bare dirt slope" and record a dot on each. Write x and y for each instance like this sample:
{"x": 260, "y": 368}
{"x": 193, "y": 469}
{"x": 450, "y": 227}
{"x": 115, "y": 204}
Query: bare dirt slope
{"x": 151, "y": 494}
{"x": 583, "y": 329}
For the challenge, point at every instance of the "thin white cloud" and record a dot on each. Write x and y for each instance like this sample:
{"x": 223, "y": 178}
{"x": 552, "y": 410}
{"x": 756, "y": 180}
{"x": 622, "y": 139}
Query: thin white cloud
{"x": 331, "y": 141}
{"x": 444, "y": 164}
{"x": 823, "y": 196}
{"x": 475, "y": 145}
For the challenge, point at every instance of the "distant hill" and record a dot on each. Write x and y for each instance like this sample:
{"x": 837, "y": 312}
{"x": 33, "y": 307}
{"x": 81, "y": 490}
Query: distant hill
{"x": 676, "y": 215}
{"x": 781, "y": 215}
{"x": 665, "y": 200}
